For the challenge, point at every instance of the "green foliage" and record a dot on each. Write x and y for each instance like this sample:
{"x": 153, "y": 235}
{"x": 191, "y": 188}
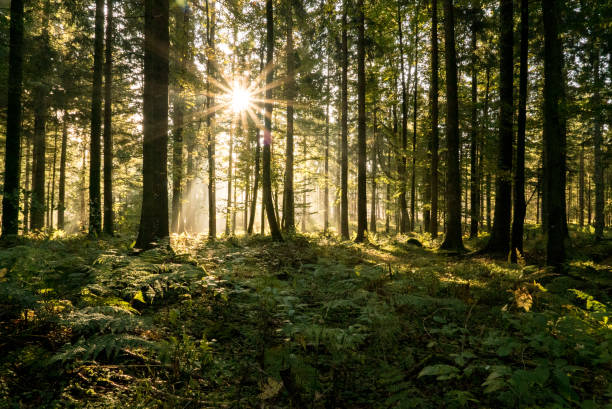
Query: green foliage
{"x": 256, "y": 323}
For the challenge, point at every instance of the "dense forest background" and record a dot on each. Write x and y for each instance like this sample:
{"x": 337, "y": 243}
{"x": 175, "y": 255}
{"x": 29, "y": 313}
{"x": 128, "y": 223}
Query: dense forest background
{"x": 462, "y": 146}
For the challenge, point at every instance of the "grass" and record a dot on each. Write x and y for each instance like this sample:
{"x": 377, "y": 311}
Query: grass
{"x": 312, "y": 322}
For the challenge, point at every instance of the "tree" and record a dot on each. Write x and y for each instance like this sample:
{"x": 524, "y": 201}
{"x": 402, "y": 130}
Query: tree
{"x": 344, "y": 227}
{"x": 474, "y": 165}
{"x": 598, "y": 175}
{"x": 362, "y": 211}
{"x": 453, "y": 240}
{"x": 554, "y": 143}
{"x": 10, "y": 198}
{"x": 288, "y": 193}
{"x": 108, "y": 221}
{"x": 433, "y": 103}
{"x": 95, "y": 211}
{"x": 519, "y": 172}
{"x": 402, "y": 162}
{"x": 266, "y": 171}
{"x": 211, "y": 19}
{"x": 499, "y": 242}
{"x": 154, "y": 214}
{"x": 181, "y": 17}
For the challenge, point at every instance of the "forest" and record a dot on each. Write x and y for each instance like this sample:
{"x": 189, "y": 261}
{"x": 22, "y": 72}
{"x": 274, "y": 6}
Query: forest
{"x": 306, "y": 204}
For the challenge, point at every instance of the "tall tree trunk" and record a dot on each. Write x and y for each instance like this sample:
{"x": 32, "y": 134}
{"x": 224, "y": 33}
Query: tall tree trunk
{"x": 61, "y": 201}
{"x": 452, "y": 240}
{"x": 37, "y": 206}
{"x": 95, "y": 211}
{"x": 211, "y": 17}
{"x": 326, "y": 189}
{"x": 474, "y": 165}
{"x": 374, "y": 172}
{"x": 288, "y": 193}
{"x": 433, "y": 103}
{"x": 499, "y": 243}
{"x": 362, "y": 211}
{"x": 554, "y": 144}
{"x": 485, "y": 138}
{"x": 154, "y": 216}
{"x": 266, "y": 173}
{"x": 581, "y": 187}
{"x": 10, "y": 198}
{"x": 403, "y": 205}
{"x": 82, "y": 183}
{"x": 344, "y": 226}
{"x": 108, "y": 221}
{"x": 519, "y": 173}
{"x": 230, "y": 165}
{"x": 414, "y": 120}
{"x": 598, "y": 175}
{"x": 26, "y": 196}
{"x": 53, "y": 168}
{"x": 257, "y": 158}
{"x": 181, "y": 17}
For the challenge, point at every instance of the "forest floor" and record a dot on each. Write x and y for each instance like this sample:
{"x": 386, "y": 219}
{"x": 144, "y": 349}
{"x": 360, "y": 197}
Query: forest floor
{"x": 309, "y": 323}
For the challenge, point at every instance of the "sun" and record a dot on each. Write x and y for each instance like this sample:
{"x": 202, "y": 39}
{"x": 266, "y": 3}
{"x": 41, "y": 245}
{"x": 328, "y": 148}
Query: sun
{"x": 240, "y": 98}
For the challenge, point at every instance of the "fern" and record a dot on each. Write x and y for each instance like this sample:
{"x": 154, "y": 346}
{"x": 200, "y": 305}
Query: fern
{"x": 111, "y": 344}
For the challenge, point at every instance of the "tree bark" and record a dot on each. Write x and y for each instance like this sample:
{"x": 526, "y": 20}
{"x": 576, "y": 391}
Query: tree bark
{"x": 474, "y": 165}
{"x": 362, "y": 212}
{"x": 433, "y": 103}
{"x": 344, "y": 226}
{"x": 154, "y": 216}
{"x": 499, "y": 243}
{"x": 402, "y": 163}
{"x": 288, "y": 193}
{"x": 211, "y": 17}
{"x": 374, "y": 172}
{"x": 598, "y": 175}
{"x": 108, "y": 221}
{"x": 182, "y": 25}
{"x": 519, "y": 173}
{"x": 554, "y": 157}
{"x": 266, "y": 173}
{"x": 453, "y": 240}
{"x": 12, "y": 158}
{"x": 61, "y": 200}
{"x": 414, "y": 120}
{"x": 95, "y": 211}
{"x": 326, "y": 189}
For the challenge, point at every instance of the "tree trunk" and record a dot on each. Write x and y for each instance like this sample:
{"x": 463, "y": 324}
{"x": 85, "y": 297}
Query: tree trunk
{"x": 154, "y": 216}
{"x": 230, "y": 165}
{"x": 433, "y": 103}
{"x": 326, "y": 189}
{"x": 344, "y": 226}
{"x": 181, "y": 16}
{"x": 403, "y": 205}
{"x": 554, "y": 158}
{"x": 453, "y": 240}
{"x": 266, "y": 173}
{"x": 499, "y": 243}
{"x": 108, "y": 221}
{"x": 519, "y": 175}
{"x": 374, "y": 173}
{"x": 474, "y": 165}
{"x": 288, "y": 193}
{"x": 10, "y": 198}
{"x": 53, "y": 168}
{"x": 598, "y": 175}
{"x": 581, "y": 187}
{"x": 362, "y": 212}
{"x": 211, "y": 16}
{"x": 414, "y": 120}
{"x": 61, "y": 201}
{"x": 26, "y": 195}
{"x": 95, "y": 211}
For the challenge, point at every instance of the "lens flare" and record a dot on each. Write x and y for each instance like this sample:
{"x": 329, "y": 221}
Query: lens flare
{"x": 240, "y": 98}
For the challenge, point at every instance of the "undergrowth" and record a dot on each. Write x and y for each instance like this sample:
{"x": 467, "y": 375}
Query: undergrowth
{"x": 309, "y": 323}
